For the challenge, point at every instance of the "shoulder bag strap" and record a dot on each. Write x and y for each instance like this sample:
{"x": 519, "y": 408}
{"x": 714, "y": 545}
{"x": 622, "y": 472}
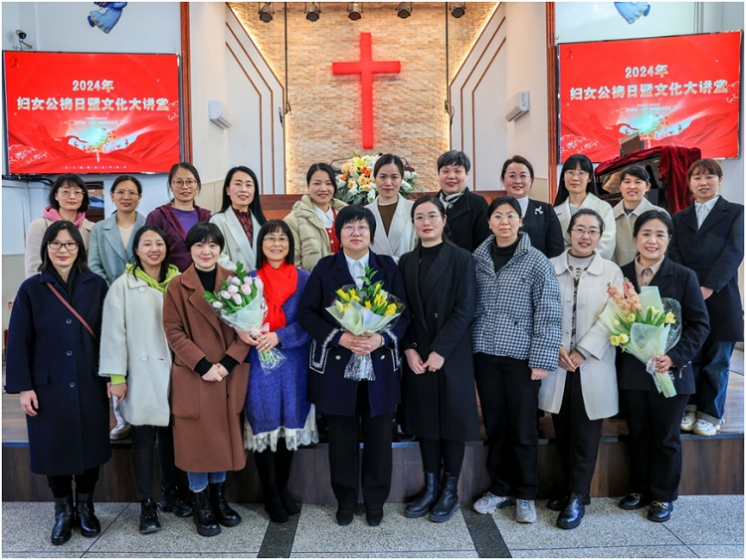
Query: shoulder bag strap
{"x": 72, "y": 310}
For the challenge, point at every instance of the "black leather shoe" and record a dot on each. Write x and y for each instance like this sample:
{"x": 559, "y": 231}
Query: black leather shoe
{"x": 64, "y": 519}
{"x": 171, "y": 503}
{"x": 149, "y": 517}
{"x": 374, "y": 517}
{"x": 203, "y": 516}
{"x": 447, "y": 503}
{"x": 226, "y": 516}
{"x": 558, "y": 504}
{"x": 422, "y": 506}
{"x": 288, "y": 503}
{"x": 274, "y": 507}
{"x": 89, "y": 524}
{"x": 344, "y": 517}
{"x": 660, "y": 511}
{"x": 634, "y": 501}
{"x": 572, "y": 514}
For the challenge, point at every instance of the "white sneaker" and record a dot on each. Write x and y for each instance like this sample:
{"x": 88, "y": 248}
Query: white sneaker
{"x": 489, "y": 503}
{"x": 687, "y": 423}
{"x": 120, "y": 431}
{"x": 525, "y": 511}
{"x": 706, "y": 428}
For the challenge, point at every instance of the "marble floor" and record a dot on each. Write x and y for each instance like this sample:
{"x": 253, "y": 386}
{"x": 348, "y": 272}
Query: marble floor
{"x": 701, "y": 526}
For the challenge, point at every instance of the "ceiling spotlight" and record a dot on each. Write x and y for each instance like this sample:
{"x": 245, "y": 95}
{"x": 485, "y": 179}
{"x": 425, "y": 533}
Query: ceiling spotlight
{"x": 266, "y": 12}
{"x": 354, "y": 11}
{"x": 312, "y": 13}
{"x": 404, "y": 10}
{"x": 458, "y": 9}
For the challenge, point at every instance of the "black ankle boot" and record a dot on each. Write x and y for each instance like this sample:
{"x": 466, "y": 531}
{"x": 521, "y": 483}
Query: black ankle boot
{"x": 274, "y": 507}
{"x": 171, "y": 503}
{"x": 89, "y": 524}
{"x": 573, "y": 512}
{"x": 204, "y": 518}
{"x": 149, "y": 517}
{"x": 422, "y": 506}
{"x": 64, "y": 519}
{"x": 447, "y": 503}
{"x": 289, "y": 503}
{"x": 225, "y": 515}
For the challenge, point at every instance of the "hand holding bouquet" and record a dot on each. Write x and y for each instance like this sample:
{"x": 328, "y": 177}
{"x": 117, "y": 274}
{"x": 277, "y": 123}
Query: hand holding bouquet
{"x": 239, "y": 302}
{"x": 370, "y": 309}
{"x": 645, "y": 326}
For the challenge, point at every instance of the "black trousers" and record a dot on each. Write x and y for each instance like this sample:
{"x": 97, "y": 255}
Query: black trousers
{"x": 61, "y": 485}
{"x": 509, "y": 401}
{"x": 437, "y": 452}
{"x": 274, "y": 467}
{"x": 578, "y": 437}
{"x": 654, "y": 442}
{"x": 143, "y": 441}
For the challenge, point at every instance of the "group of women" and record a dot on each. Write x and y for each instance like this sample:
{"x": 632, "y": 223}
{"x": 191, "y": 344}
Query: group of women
{"x": 518, "y": 318}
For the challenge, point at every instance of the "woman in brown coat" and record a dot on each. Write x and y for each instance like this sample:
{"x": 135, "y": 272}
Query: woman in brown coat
{"x": 208, "y": 382}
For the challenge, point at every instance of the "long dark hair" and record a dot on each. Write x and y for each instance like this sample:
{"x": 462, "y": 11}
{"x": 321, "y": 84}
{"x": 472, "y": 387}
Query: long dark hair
{"x": 81, "y": 260}
{"x": 69, "y": 180}
{"x": 255, "y": 206}
{"x": 385, "y": 159}
{"x": 136, "y": 258}
{"x": 273, "y": 226}
{"x": 585, "y": 164}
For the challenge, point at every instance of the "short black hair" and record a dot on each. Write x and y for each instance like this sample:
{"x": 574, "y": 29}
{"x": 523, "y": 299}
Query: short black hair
{"x": 136, "y": 258}
{"x": 499, "y": 201}
{"x": 585, "y": 164}
{"x": 587, "y": 212}
{"x": 204, "y": 232}
{"x": 519, "y": 160}
{"x": 81, "y": 260}
{"x": 272, "y": 226}
{"x": 355, "y": 213}
{"x": 122, "y": 179}
{"x": 454, "y": 157}
{"x": 69, "y": 180}
{"x": 328, "y": 169}
{"x": 636, "y": 171}
{"x": 255, "y": 206}
{"x": 645, "y": 217}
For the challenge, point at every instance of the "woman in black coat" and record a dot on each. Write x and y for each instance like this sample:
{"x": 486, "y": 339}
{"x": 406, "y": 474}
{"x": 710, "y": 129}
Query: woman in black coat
{"x": 53, "y": 364}
{"x": 440, "y": 405}
{"x": 348, "y": 405}
{"x": 653, "y": 420}
{"x": 708, "y": 238}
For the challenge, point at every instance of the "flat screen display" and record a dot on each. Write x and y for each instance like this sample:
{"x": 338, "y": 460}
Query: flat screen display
{"x": 91, "y": 113}
{"x": 681, "y": 91}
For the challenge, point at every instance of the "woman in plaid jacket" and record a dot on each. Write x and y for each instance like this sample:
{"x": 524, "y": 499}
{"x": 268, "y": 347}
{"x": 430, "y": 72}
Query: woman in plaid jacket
{"x": 517, "y": 335}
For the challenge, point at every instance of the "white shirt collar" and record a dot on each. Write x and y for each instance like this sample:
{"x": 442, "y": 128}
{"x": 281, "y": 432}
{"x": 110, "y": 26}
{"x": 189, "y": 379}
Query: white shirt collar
{"x": 357, "y": 267}
{"x": 708, "y": 205}
{"x": 327, "y": 218}
{"x": 523, "y": 202}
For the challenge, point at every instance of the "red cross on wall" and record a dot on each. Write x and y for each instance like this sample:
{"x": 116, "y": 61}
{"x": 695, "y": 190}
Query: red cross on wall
{"x": 366, "y": 67}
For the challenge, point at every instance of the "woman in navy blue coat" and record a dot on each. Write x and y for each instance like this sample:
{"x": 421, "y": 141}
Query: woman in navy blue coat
{"x": 348, "y": 404}
{"x": 653, "y": 420}
{"x": 708, "y": 238}
{"x": 53, "y": 364}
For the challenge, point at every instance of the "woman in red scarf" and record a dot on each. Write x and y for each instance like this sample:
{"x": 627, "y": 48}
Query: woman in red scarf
{"x": 68, "y": 200}
{"x": 279, "y": 418}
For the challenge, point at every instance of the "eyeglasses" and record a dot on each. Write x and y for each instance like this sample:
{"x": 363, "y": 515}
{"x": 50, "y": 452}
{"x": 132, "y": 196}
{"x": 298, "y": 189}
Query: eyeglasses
{"x": 67, "y": 192}
{"x": 178, "y": 183}
{"x": 501, "y": 217}
{"x": 581, "y": 231}
{"x": 574, "y": 173}
{"x": 127, "y": 193}
{"x": 57, "y": 245}
{"x": 360, "y": 228}
{"x": 281, "y": 239}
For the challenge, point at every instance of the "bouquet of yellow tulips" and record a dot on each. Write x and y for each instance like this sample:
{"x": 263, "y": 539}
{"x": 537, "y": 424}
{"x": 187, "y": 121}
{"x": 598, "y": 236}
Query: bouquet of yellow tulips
{"x": 369, "y": 309}
{"x": 645, "y": 326}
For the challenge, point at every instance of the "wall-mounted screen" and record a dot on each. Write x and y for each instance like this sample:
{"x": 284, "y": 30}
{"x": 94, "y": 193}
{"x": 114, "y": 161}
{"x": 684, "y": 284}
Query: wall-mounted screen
{"x": 91, "y": 113}
{"x": 681, "y": 91}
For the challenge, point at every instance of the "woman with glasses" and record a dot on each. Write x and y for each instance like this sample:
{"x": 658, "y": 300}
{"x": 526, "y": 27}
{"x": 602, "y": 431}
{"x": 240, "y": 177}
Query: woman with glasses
{"x": 582, "y": 391}
{"x": 240, "y": 218}
{"x": 516, "y": 334}
{"x": 577, "y": 189}
{"x": 68, "y": 200}
{"x": 52, "y": 357}
{"x": 351, "y": 405}
{"x": 179, "y": 216}
{"x": 279, "y": 418}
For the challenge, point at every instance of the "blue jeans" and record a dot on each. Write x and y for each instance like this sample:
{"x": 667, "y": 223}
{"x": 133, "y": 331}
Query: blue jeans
{"x": 198, "y": 481}
{"x": 711, "y": 370}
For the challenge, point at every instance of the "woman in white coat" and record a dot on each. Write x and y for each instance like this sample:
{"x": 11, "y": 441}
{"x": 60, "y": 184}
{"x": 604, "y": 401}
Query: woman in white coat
{"x": 583, "y": 389}
{"x": 392, "y": 211}
{"x": 240, "y": 218}
{"x": 136, "y": 356}
{"x": 577, "y": 189}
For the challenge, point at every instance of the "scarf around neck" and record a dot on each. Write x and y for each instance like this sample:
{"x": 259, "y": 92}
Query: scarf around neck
{"x": 54, "y": 215}
{"x": 149, "y": 280}
{"x": 279, "y": 285}
{"x": 450, "y": 199}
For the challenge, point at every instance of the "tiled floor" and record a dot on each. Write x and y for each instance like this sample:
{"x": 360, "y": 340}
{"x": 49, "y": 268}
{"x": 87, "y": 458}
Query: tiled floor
{"x": 701, "y": 526}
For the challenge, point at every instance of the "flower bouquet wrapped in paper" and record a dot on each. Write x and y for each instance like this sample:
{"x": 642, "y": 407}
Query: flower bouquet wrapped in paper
{"x": 645, "y": 326}
{"x": 239, "y": 302}
{"x": 369, "y": 309}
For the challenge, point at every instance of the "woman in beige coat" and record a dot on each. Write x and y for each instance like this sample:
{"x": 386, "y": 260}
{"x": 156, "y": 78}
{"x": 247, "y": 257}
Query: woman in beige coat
{"x": 312, "y": 218}
{"x": 583, "y": 389}
{"x": 208, "y": 382}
